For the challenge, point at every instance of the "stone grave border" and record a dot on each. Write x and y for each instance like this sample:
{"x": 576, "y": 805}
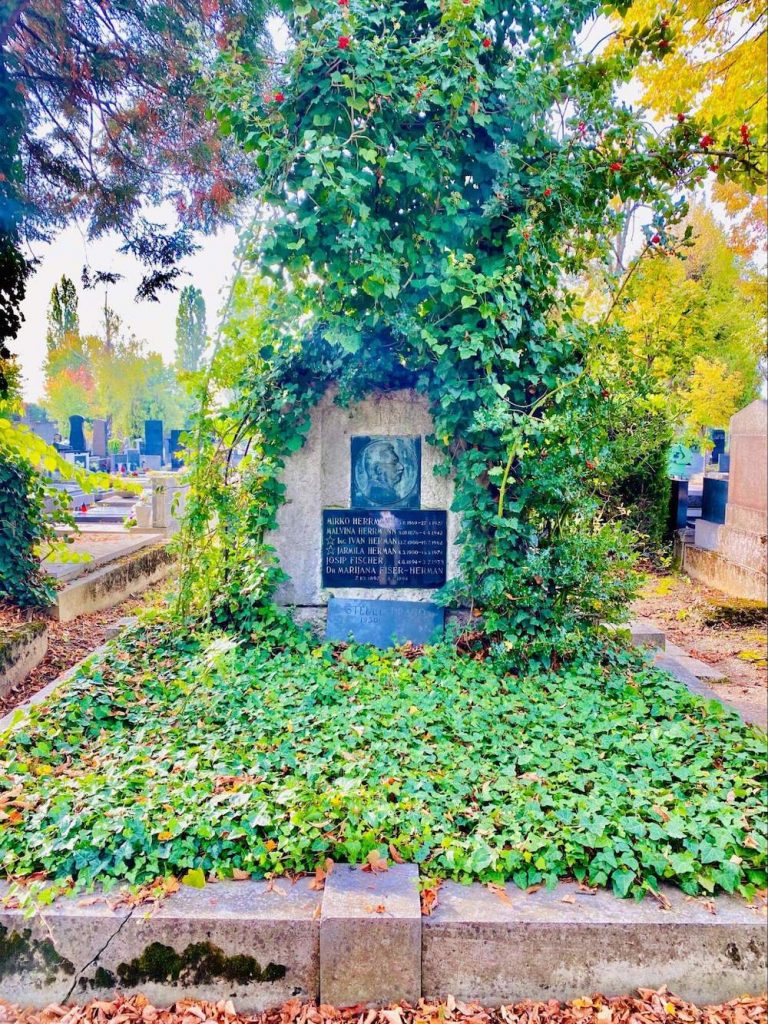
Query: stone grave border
{"x": 363, "y": 940}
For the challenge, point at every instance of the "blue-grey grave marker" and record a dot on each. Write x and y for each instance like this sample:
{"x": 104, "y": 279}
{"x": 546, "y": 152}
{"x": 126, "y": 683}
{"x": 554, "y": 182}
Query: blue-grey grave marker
{"x": 76, "y": 434}
{"x": 384, "y": 623}
{"x": 153, "y": 437}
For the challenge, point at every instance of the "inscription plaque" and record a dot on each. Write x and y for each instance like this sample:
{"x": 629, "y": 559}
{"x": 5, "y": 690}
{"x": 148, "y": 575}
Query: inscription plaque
{"x": 384, "y": 548}
{"x": 383, "y": 623}
{"x": 386, "y": 472}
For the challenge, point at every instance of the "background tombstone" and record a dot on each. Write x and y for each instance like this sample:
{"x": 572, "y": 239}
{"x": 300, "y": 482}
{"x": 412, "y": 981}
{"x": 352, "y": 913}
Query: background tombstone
{"x": 153, "y": 444}
{"x": 100, "y": 438}
{"x": 175, "y": 449}
{"x": 77, "y": 434}
{"x": 736, "y": 561}
{"x": 718, "y": 444}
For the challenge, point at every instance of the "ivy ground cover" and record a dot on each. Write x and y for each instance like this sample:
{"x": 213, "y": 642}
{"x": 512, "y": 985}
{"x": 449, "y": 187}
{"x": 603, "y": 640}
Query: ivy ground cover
{"x": 190, "y": 756}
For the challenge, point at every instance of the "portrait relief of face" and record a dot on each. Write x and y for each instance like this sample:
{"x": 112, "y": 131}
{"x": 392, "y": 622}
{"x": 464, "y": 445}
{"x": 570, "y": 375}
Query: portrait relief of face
{"x": 386, "y": 472}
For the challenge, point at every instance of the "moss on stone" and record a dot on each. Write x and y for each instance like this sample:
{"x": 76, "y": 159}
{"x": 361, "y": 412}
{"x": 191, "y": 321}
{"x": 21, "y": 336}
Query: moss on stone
{"x": 737, "y": 612}
{"x": 21, "y": 954}
{"x": 13, "y": 638}
{"x": 199, "y": 964}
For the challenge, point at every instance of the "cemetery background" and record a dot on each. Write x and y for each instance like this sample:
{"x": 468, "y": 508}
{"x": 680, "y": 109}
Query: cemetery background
{"x": 406, "y": 744}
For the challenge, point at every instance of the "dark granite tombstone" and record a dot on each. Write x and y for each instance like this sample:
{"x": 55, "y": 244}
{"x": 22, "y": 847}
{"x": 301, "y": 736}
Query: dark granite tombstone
{"x": 384, "y": 623}
{"x": 714, "y": 498}
{"x": 100, "y": 438}
{"x": 718, "y": 444}
{"x": 724, "y": 462}
{"x": 367, "y": 548}
{"x": 678, "y": 505}
{"x": 385, "y": 472}
{"x": 153, "y": 437}
{"x": 131, "y": 458}
{"x": 175, "y": 449}
{"x": 76, "y": 434}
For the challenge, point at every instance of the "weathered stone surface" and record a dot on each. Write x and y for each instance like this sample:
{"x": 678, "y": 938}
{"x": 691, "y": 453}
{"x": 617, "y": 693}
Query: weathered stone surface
{"x": 707, "y": 535}
{"x": 370, "y": 936}
{"x": 645, "y": 633}
{"x": 711, "y": 568}
{"x": 699, "y": 668}
{"x": 245, "y": 941}
{"x": 536, "y": 946}
{"x": 115, "y": 628}
{"x": 113, "y": 583}
{"x": 317, "y": 477}
{"x": 21, "y": 650}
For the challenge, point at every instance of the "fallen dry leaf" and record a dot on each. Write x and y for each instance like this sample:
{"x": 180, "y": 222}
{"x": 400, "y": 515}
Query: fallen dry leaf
{"x": 499, "y": 891}
{"x": 375, "y": 862}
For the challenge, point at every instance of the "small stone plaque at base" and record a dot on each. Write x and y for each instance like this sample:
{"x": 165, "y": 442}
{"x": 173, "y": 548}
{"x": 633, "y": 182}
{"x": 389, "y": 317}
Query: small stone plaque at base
{"x": 384, "y": 623}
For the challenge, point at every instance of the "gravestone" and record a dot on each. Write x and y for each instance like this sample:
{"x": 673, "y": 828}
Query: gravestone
{"x": 734, "y": 559}
{"x": 718, "y": 444}
{"x": 152, "y": 455}
{"x": 76, "y": 434}
{"x": 100, "y": 438}
{"x": 366, "y": 519}
{"x": 383, "y": 623}
{"x": 176, "y": 449}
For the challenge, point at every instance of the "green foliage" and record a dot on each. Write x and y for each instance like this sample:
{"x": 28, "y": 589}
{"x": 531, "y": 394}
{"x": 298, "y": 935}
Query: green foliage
{"x": 429, "y": 191}
{"x": 25, "y": 527}
{"x": 63, "y": 317}
{"x": 191, "y": 331}
{"x": 208, "y": 753}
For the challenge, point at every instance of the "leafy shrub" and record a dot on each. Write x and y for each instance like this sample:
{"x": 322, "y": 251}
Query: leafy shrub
{"x": 24, "y": 528}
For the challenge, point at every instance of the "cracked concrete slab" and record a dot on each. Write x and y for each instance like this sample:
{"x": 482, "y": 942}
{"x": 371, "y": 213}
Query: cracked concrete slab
{"x": 248, "y": 941}
{"x": 564, "y": 943}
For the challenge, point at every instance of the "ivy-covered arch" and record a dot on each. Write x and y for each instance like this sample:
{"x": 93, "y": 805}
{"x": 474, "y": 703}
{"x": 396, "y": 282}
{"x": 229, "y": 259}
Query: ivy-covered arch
{"x": 435, "y": 174}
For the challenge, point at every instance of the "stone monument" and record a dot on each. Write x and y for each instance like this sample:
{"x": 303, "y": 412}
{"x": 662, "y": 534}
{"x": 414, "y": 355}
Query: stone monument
{"x": 100, "y": 438}
{"x": 366, "y": 530}
{"x": 77, "y": 434}
{"x": 735, "y": 558}
{"x": 153, "y": 444}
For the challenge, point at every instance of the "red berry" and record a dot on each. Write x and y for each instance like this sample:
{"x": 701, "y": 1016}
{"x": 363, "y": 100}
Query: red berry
{"x": 343, "y": 3}
{"x": 681, "y": 118}
{"x": 344, "y": 42}
{"x": 486, "y": 43}
{"x": 714, "y": 168}
{"x": 616, "y": 165}
{"x": 582, "y": 126}
{"x": 526, "y": 235}
{"x": 706, "y": 141}
{"x": 656, "y": 239}
{"x": 663, "y": 44}
{"x": 665, "y": 23}
{"x": 279, "y": 97}
{"x": 547, "y": 192}
{"x": 589, "y": 464}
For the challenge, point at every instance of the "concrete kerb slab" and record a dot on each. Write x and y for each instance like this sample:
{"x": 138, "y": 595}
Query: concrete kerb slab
{"x": 254, "y": 942}
{"x": 261, "y": 943}
{"x": 16, "y": 717}
{"x": 563, "y": 943}
{"x": 113, "y": 583}
{"x": 370, "y": 936}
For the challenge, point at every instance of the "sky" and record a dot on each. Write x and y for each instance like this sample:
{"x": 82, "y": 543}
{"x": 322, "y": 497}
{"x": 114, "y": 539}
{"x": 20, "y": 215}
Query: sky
{"x": 154, "y": 322}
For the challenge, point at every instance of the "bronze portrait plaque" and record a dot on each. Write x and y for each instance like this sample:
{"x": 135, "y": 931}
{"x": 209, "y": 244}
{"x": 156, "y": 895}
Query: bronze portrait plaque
{"x": 386, "y": 472}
